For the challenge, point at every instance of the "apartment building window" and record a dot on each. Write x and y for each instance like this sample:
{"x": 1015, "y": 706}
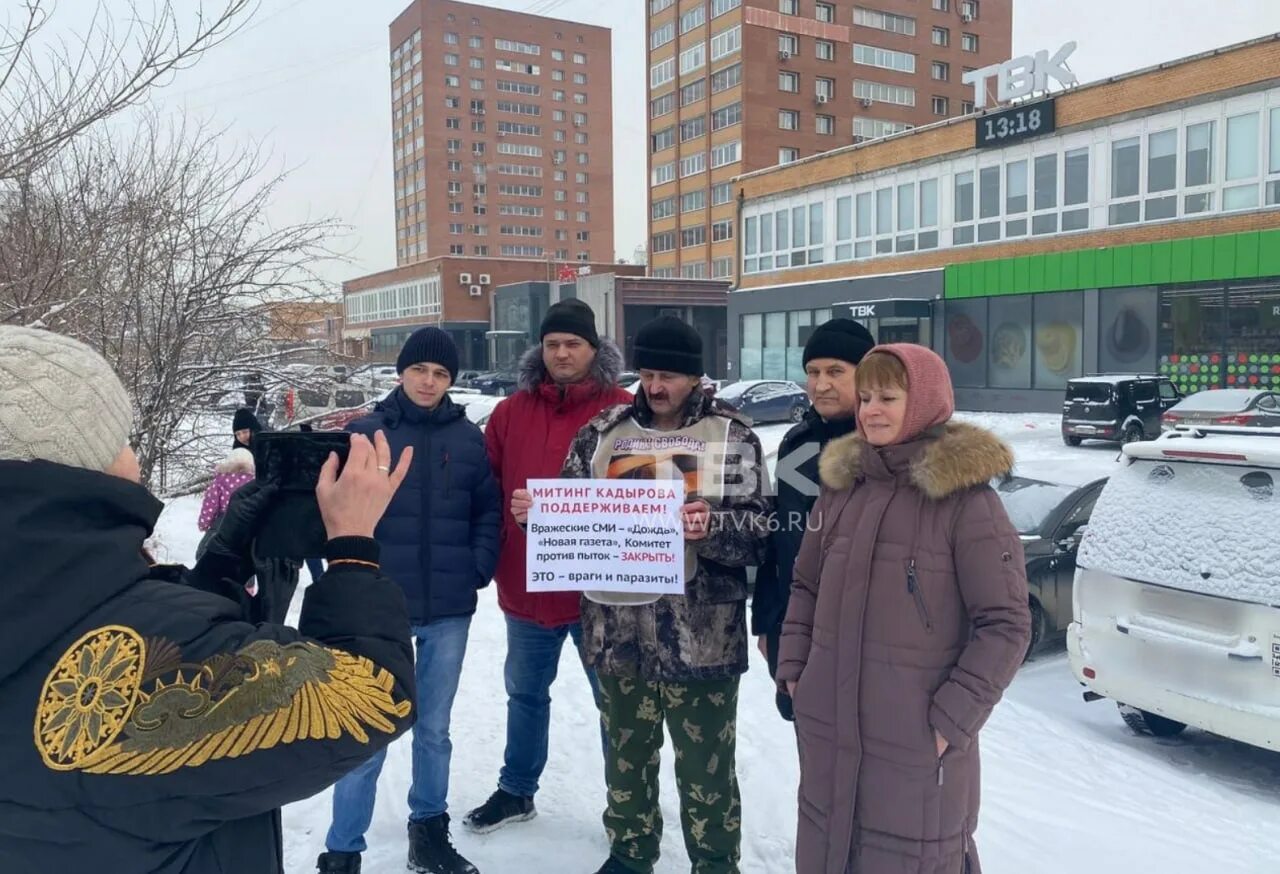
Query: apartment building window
{"x": 579, "y": 78}
{"x": 662, "y": 35}
{"x": 523, "y": 48}
{"x": 453, "y": 102}
{"x": 558, "y": 54}
{"x": 579, "y": 57}
{"x": 726, "y": 42}
{"x": 557, "y": 115}
{"x": 581, "y": 179}
{"x": 966, "y": 107}
{"x": 664, "y": 242}
{"x": 452, "y": 82}
{"x": 788, "y": 81}
{"x": 557, "y": 76}
{"x": 788, "y": 119}
{"x": 455, "y": 208}
{"x": 662, "y": 72}
{"x": 695, "y": 17}
{"x": 580, "y": 138}
{"x": 898, "y": 95}
{"x": 583, "y": 237}
{"x": 723, "y": 80}
{"x": 477, "y": 63}
{"x": 693, "y": 164}
{"x": 721, "y": 268}
{"x": 663, "y": 173}
{"x": 824, "y": 12}
{"x": 694, "y": 271}
{"x": 871, "y": 56}
{"x": 695, "y": 236}
{"x": 453, "y": 146}
{"x": 450, "y": 59}
{"x": 693, "y": 92}
{"x": 722, "y": 230}
{"x": 940, "y": 71}
{"x": 477, "y": 84}
{"x": 561, "y": 136}
{"x": 693, "y": 128}
{"x": 453, "y": 123}
{"x": 579, "y": 98}
{"x": 874, "y": 128}
{"x": 824, "y": 124}
{"x": 455, "y": 228}
{"x": 940, "y": 106}
{"x": 788, "y": 44}
{"x": 579, "y": 119}
{"x": 562, "y": 215}
{"x": 450, "y": 39}
{"x": 457, "y": 249}
{"x": 824, "y": 50}
{"x": 721, "y": 193}
{"x": 969, "y": 42}
{"x": 582, "y": 216}
{"x": 824, "y": 88}
{"x": 941, "y": 36}
{"x": 787, "y": 156}
{"x": 475, "y": 42}
{"x": 664, "y": 208}
{"x": 720, "y": 7}
{"x": 693, "y": 200}
{"x": 455, "y": 166}
{"x": 562, "y": 197}
{"x": 481, "y": 251}
{"x": 789, "y": 7}
{"x": 725, "y": 154}
{"x": 942, "y": 5}
{"x": 969, "y": 10}
{"x": 656, "y": 6}
{"x": 662, "y": 105}
{"x": 885, "y": 21}
{"x": 693, "y": 58}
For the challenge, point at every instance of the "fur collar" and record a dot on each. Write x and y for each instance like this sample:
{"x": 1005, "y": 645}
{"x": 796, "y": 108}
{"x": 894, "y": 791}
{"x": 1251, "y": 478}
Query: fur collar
{"x": 238, "y": 461}
{"x": 962, "y": 457}
{"x": 605, "y": 370}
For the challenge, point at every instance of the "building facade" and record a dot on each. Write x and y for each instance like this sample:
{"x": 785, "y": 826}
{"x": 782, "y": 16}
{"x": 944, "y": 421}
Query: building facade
{"x": 740, "y": 85}
{"x": 502, "y": 129}
{"x": 382, "y": 309}
{"x": 1136, "y": 230}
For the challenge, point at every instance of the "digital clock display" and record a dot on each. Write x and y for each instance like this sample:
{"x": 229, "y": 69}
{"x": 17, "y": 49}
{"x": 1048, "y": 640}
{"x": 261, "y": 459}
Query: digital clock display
{"x": 1018, "y": 123}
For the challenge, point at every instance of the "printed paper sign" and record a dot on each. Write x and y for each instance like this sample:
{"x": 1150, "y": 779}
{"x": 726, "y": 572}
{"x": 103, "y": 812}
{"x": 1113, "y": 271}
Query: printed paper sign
{"x": 606, "y": 535}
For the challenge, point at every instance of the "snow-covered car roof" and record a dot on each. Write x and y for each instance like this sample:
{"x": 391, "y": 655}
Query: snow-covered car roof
{"x": 1219, "y": 444}
{"x": 1226, "y": 400}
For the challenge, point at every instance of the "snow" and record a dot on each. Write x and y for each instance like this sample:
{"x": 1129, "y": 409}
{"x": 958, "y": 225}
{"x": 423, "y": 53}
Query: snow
{"x": 1067, "y": 788}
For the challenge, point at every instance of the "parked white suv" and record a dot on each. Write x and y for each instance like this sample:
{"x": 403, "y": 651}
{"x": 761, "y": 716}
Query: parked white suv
{"x": 1177, "y": 593}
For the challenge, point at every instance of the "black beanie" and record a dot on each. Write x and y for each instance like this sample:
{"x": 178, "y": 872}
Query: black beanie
{"x": 429, "y": 346}
{"x": 245, "y": 420}
{"x": 844, "y": 339}
{"x": 570, "y": 316}
{"x": 669, "y": 344}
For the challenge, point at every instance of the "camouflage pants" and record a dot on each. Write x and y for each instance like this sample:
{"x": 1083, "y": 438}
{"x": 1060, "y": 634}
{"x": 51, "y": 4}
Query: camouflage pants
{"x": 701, "y": 717}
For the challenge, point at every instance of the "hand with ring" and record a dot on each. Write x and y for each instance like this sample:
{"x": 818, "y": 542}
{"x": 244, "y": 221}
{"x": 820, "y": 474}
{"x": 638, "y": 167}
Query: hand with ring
{"x": 353, "y": 503}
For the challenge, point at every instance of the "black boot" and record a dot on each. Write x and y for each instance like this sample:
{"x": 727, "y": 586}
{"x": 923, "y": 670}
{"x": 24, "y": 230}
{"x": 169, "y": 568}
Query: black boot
{"x": 431, "y": 851}
{"x": 501, "y": 809}
{"x": 613, "y": 866}
{"x": 338, "y": 863}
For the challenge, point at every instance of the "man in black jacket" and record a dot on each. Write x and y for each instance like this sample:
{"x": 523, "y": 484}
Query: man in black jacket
{"x": 144, "y": 726}
{"x": 831, "y": 356}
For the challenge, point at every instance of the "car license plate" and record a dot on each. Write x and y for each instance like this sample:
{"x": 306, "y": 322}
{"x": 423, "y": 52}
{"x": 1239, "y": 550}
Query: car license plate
{"x": 1086, "y": 429}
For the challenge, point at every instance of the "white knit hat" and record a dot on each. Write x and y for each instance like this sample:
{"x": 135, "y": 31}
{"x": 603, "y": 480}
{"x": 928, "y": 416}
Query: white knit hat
{"x": 60, "y": 401}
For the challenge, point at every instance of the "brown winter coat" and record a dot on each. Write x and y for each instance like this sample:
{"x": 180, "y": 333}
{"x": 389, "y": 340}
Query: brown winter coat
{"x": 908, "y": 614}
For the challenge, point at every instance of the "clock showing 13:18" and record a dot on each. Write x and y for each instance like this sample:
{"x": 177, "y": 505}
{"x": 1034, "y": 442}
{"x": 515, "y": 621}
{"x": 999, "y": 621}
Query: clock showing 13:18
{"x": 1016, "y": 123}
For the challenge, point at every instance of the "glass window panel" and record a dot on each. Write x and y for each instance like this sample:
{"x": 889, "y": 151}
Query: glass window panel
{"x": 753, "y": 330}
{"x": 1010, "y": 352}
{"x": 989, "y": 192}
{"x": 1015, "y": 228}
{"x": 966, "y": 330}
{"x": 928, "y": 203}
{"x": 750, "y": 242}
{"x": 1274, "y": 162}
{"x": 962, "y": 236}
{"x": 907, "y": 207}
{"x": 1162, "y": 161}
{"x": 1243, "y": 197}
{"x": 1046, "y": 182}
{"x": 1128, "y": 328}
{"x": 781, "y": 237}
{"x": 1048, "y": 224}
{"x": 797, "y": 227}
{"x": 1015, "y": 188}
{"x": 1200, "y": 154}
{"x": 1075, "y": 220}
{"x": 1058, "y": 334}
{"x": 964, "y": 197}
{"x": 766, "y": 232}
{"x": 844, "y": 218}
{"x": 795, "y": 321}
{"x": 775, "y": 330}
{"x": 1242, "y": 148}
{"x": 864, "y": 215}
{"x": 815, "y": 224}
{"x": 884, "y": 211}
{"x": 1076, "y": 184}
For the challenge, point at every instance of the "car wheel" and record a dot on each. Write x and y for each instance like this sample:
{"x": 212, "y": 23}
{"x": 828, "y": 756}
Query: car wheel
{"x": 1149, "y": 724}
{"x": 1039, "y": 625}
{"x": 501, "y": 392}
{"x": 797, "y": 413}
{"x": 1132, "y": 434}
{"x": 1072, "y": 441}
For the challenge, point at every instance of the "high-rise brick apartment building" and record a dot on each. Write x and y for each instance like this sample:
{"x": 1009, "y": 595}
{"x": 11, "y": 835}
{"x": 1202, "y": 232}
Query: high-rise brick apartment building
{"x": 503, "y": 135}
{"x": 740, "y": 85}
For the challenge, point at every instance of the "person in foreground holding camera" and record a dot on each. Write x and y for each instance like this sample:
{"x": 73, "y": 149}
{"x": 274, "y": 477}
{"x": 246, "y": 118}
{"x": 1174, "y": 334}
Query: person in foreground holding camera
{"x": 147, "y": 728}
{"x": 908, "y": 619}
{"x": 676, "y": 659}
{"x": 439, "y": 541}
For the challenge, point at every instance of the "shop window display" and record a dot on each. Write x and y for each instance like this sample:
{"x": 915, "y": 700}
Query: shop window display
{"x": 1127, "y": 319}
{"x": 966, "y": 329}
{"x": 1010, "y": 349}
{"x": 1058, "y": 338}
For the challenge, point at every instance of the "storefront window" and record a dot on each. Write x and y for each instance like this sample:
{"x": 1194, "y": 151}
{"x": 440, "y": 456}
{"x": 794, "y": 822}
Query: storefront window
{"x": 774, "y": 358}
{"x": 1127, "y": 319}
{"x": 1253, "y": 337}
{"x": 1192, "y": 335}
{"x": 966, "y": 322}
{"x": 752, "y": 340}
{"x": 1059, "y": 332}
{"x": 799, "y": 326}
{"x": 1009, "y": 352}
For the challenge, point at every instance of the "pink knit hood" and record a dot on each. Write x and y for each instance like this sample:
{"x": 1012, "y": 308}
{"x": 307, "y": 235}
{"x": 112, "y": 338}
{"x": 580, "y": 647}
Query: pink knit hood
{"x": 930, "y": 399}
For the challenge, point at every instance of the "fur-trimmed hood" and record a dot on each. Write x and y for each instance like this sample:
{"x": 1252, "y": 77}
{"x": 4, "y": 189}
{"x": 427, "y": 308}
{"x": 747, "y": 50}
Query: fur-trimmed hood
{"x": 605, "y": 370}
{"x": 960, "y": 457}
{"x": 237, "y": 461}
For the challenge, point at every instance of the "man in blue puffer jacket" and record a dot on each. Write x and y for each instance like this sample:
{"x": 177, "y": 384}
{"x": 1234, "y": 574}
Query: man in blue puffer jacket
{"x": 439, "y": 541}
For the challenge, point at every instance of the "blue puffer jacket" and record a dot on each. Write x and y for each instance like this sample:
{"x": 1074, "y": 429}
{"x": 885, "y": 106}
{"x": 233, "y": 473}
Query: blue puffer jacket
{"x": 439, "y": 536}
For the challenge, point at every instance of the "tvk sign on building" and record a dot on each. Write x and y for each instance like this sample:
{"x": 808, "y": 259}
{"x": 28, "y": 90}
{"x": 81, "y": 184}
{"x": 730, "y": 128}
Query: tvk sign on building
{"x": 1017, "y": 78}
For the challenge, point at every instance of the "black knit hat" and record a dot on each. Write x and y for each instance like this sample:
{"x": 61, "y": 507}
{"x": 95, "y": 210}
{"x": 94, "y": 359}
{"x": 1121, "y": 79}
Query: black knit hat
{"x": 669, "y": 344}
{"x": 429, "y": 345}
{"x": 245, "y": 420}
{"x": 570, "y": 316}
{"x": 844, "y": 339}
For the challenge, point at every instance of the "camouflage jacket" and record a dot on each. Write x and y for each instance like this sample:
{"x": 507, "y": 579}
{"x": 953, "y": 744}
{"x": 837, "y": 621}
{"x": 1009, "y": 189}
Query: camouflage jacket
{"x": 701, "y": 635}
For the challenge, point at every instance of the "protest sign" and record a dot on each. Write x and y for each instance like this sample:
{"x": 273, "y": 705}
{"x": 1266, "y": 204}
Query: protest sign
{"x": 606, "y": 535}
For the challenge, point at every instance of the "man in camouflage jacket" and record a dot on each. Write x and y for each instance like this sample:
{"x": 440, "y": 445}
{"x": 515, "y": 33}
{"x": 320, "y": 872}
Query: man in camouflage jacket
{"x": 676, "y": 659}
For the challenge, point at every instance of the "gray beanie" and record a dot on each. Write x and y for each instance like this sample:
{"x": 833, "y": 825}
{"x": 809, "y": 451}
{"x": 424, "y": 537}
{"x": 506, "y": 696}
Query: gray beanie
{"x": 59, "y": 401}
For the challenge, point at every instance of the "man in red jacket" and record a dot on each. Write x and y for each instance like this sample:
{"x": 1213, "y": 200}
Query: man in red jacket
{"x": 563, "y": 383}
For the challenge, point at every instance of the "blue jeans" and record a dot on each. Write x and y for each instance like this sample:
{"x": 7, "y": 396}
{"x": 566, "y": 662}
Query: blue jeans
{"x": 441, "y": 646}
{"x": 533, "y": 655}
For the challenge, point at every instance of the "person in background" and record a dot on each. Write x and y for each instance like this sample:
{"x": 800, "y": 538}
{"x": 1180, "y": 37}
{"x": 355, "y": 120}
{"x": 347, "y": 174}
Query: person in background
{"x": 234, "y": 471}
{"x": 147, "y": 727}
{"x": 831, "y": 357}
{"x": 676, "y": 659}
{"x": 571, "y": 375}
{"x": 908, "y": 619}
{"x": 244, "y": 425}
{"x": 439, "y": 540}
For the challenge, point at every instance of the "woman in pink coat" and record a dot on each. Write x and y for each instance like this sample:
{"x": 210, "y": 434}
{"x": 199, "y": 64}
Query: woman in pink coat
{"x": 908, "y": 618}
{"x": 231, "y": 473}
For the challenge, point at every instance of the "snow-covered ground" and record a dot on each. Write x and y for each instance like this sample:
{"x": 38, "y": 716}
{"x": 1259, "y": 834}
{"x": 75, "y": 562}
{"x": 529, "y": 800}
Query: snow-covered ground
{"x": 1067, "y": 788}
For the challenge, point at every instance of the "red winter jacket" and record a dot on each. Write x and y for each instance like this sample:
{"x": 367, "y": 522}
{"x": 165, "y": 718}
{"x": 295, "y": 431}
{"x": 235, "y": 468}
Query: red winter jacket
{"x": 528, "y": 437}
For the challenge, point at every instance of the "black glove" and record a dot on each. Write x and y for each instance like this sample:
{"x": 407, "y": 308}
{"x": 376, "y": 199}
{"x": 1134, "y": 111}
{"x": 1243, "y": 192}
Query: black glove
{"x": 228, "y": 558}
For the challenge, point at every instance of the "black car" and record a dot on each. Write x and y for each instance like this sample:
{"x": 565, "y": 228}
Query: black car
{"x": 766, "y": 400}
{"x": 1121, "y": 408}
{"x": 1050, "y": 518}
{"x": 500, "y": 383}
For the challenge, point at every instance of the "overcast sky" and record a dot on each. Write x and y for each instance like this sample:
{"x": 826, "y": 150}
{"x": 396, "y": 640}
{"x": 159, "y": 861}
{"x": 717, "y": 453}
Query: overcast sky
{"x": 310, "y": 80}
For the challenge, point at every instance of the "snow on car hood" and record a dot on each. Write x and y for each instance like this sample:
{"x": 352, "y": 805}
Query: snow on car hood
{"x": 1204, "y": 528}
